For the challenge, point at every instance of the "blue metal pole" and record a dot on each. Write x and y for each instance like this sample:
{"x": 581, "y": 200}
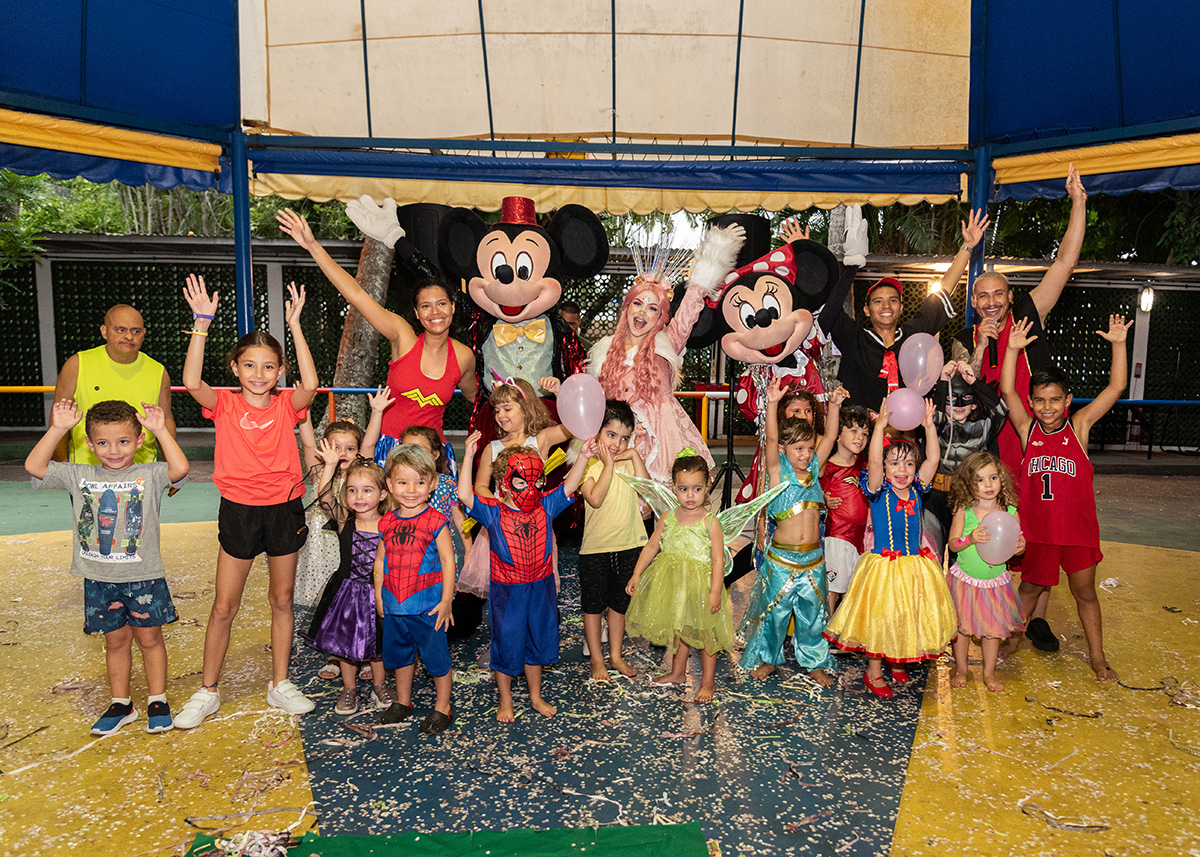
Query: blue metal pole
{"x": 981, "y": 185}
{"x": 241, "y": 233}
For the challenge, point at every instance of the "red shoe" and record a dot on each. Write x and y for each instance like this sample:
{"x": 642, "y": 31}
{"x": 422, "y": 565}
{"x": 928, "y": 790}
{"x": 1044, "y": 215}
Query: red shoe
{"x": 880, "y": 689}
{"x": 898, "y": 673}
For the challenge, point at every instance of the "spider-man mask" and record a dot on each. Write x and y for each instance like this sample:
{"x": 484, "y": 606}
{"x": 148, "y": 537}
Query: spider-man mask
{"x": 525, "y": 477}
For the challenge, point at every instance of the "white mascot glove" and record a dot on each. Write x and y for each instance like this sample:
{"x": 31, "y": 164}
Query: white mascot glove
{"x": 377, "y": 221}
{"x": 856, "y": 238}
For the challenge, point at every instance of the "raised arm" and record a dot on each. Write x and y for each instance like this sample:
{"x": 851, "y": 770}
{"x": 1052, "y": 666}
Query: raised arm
{"x": 875, "y": 450}
{"x": 304, "y": 392}
{"x": 1118, "y": 378}
{"x": 972, "y": 233}
{"x": 389, "y": 324}
{"x": 595, "y": 490}
{"x": 193, "y": 365}
{"x": 465, "y": 495}
{"x": 828, "y": 442}
{"x": 380, "y": 402}
{"x": 714, "y": 258}
{"x": 64, "y": 416}
{"x": 575, "y": 474}
{"x": 1018, "y": 338}
{"x": 1045, "y": 295}
{"x": 155, "y": 422}
{"x": 771, "y": 453}
{"x": 483, "y": 479}
{"x": 933, "y": 451}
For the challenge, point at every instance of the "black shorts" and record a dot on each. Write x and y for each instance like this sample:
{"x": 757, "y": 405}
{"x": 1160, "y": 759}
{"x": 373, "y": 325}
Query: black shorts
{"x": 246, "y": 531}
{"x": 603, "y": 578}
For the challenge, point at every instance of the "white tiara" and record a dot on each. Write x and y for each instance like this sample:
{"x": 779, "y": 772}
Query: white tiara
{"x": 662, "y": 263}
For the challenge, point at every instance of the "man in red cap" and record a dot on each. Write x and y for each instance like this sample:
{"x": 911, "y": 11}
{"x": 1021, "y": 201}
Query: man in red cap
{"x": 869, "y": 369}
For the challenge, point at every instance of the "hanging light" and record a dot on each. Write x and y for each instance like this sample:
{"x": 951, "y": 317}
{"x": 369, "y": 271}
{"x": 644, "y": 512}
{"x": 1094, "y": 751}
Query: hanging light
{"x": 1146, "y": 299}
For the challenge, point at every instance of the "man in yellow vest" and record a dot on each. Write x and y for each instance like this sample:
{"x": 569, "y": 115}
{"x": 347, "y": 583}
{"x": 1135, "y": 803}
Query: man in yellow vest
{"x": 115, "y": 370}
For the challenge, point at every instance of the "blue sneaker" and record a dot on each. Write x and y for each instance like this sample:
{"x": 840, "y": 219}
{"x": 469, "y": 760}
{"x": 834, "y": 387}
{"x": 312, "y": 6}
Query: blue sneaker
{"x": 158, "y": 717}
{"x": 112, "y": 720}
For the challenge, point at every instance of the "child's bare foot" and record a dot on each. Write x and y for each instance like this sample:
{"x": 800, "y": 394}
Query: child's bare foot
{"x": 992, "y": 683}
{"x": 1104, "y": 672}
{"x": 621, "y": 666}
{"x": 600, "y": 672}
{"x": 821, "y": 677}
{"x": 705, "y": 693}
{"x": 543, "y": 708}
{"x": 762, "y": 671}
{"x": 669, "y": 678}
{"x": 1009, "y": 647}
{"x": 504, "y": 714}
{"x": 958, "y": 678}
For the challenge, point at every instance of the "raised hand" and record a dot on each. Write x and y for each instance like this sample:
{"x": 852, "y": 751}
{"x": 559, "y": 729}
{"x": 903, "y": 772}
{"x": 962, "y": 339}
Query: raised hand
{"x": 328, "y": 453}
{"x": 929, "y": 410}
{"x": 377, "y": 221}
{"x": 550, "y": 384}
{"x": 857, "y": 245}
{"x": 197, "y": 296}
{"x": 1075, "y": 188}
{"x": 155, "y": 419}
{"x": 790, "y": 230}
{"x": 1117, "y": 328}
{"x": 838, "y": 396}
{"x": 65, "y": 415}
{"x": 973, "y": 228}
{"x": 589, "y": 448}
{"x": 291, "y": 308}
{"x": 884, "y": 414}
{"x": 472, "y": 445}
{"x": 295, "y": 225}
{"x": 381, "y": 399}
{"x": 1019, "y": 337}
{"x": 774, "y": 390}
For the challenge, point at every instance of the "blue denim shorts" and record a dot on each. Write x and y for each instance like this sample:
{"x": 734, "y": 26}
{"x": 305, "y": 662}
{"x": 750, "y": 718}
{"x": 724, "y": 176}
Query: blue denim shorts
{"x": 109, "y": 607}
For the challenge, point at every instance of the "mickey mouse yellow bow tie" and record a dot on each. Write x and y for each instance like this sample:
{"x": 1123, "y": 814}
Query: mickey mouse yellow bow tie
{"x": 506, "y": 334}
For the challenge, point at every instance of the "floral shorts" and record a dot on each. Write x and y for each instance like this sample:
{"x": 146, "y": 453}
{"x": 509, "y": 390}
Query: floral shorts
{"x": 109, "y": 607}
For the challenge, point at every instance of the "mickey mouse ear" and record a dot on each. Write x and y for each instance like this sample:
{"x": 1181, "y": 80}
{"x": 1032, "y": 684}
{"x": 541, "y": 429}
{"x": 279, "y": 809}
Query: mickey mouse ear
{"x": 581, "y": 239}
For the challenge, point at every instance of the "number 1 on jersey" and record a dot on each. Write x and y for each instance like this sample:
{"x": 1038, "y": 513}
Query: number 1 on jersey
{"x": 1047, "y": 494}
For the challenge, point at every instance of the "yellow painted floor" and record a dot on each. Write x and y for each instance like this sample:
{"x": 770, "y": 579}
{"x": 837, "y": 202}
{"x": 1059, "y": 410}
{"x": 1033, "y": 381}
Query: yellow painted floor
{"x": 1003, "y": 774}
{"x": 991, "y": 773}
{"x": 131, "y": 793}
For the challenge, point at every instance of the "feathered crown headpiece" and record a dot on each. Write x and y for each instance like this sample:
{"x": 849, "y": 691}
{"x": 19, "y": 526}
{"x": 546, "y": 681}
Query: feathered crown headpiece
{"x": 662, "y": 263}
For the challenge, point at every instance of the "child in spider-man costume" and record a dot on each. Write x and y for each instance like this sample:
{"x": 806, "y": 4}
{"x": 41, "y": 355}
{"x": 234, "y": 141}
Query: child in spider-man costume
{"x": 523, "y": 604}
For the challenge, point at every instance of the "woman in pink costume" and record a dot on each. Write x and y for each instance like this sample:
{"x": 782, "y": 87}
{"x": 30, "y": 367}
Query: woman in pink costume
{"x": 640, "y": 362}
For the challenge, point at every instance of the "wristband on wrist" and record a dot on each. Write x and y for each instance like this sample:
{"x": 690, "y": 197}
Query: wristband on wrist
{"x": 197, "y": 315}
{"x": 195, "y": 332}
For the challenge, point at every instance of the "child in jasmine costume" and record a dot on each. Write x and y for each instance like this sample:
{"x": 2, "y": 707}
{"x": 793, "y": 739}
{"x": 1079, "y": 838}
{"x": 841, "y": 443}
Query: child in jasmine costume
{"x": 791, "y": 583}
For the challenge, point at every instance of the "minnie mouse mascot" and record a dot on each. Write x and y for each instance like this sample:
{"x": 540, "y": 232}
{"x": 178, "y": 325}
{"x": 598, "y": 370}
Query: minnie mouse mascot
{"x": 514, "y": 271}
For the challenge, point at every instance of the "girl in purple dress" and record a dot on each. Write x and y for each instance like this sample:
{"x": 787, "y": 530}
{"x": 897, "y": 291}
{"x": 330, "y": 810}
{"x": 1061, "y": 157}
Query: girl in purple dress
{"x": 344, "y": 624}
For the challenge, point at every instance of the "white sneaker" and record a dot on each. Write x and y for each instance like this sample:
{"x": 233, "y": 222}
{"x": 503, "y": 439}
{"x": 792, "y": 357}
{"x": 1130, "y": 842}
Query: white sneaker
{"x": 288, "y": 697}
{"x": 203, "y": 704}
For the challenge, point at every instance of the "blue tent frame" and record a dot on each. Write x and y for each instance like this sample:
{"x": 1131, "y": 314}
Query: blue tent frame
{"x": 1044, "y": 77}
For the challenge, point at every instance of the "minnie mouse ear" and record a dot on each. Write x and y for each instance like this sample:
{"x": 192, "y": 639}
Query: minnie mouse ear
{"x": 709, "y": 327}
{"x": 816, "y": 271}
{"x": 459, "y": 234}
{"x": 758, "y": 235}
{"x": 581, "y": 240}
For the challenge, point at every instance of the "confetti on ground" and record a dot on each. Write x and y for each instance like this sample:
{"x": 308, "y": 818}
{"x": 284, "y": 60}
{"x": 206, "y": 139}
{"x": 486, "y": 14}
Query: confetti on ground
{"x": 624, "y": 754}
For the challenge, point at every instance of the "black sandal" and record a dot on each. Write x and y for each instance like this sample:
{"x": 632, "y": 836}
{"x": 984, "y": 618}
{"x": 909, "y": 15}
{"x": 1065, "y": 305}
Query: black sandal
{"x": 396, "y": 713}
{"x": 436, "y": 723}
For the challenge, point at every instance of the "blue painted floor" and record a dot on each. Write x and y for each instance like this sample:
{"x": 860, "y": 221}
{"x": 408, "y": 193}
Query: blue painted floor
{"x": 769, "y": 768}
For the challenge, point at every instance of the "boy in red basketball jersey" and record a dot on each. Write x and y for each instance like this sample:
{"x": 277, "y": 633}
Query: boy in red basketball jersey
{"x": 1058, "y": 503}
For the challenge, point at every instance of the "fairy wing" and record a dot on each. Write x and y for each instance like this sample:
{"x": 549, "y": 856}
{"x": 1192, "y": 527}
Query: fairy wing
{"x": 659, "y": 496}
{"x": 734, "y": 518}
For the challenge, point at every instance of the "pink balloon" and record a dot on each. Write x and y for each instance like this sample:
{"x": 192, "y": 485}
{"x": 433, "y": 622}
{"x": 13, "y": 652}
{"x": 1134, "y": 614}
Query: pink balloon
{"x": 581, "y": 405}
{"x": 1004, "y": 530}
{"x": 921, "y": 361}
{"x": 906, "y": 409}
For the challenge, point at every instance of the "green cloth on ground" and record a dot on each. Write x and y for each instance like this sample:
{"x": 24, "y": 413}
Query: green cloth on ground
{"x": 660, "y": 840}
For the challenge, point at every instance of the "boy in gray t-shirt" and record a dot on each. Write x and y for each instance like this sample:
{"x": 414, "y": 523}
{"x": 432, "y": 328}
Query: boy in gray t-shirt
{"x": 116, "y": 544}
